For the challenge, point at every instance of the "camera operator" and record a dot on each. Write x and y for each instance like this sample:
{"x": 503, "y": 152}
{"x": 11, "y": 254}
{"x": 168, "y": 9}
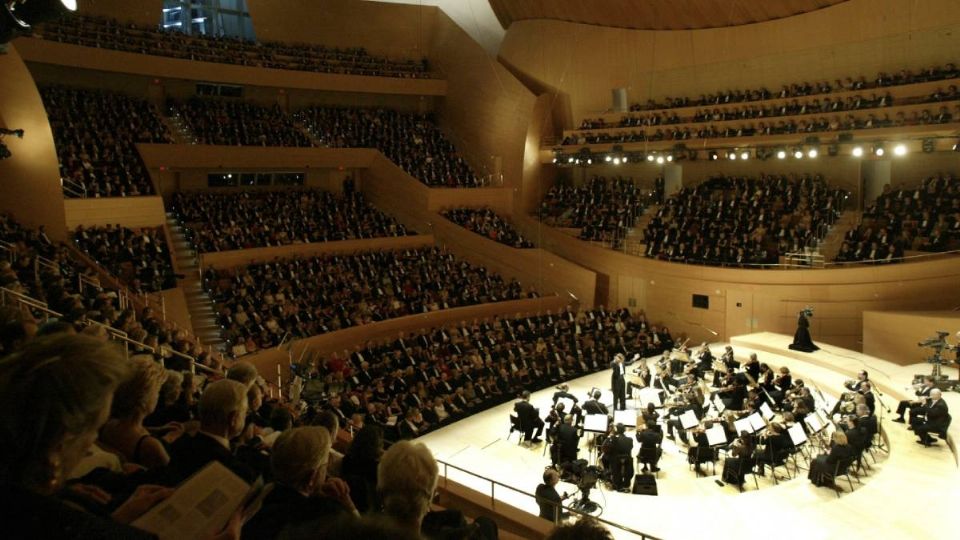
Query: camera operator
{"x": 548, "y": 499}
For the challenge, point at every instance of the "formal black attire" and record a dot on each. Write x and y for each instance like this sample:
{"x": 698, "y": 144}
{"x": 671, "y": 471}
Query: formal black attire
{"x": 905, "y": 405}
{"x": 621, "y": 461}
{"x": 936, "y": 419}
{"x": 361, "y": 476}
{"x": 567, "y": 440}
{"x": 190, "y": 453}
{"x": 801, "y": 338}
{"x": 618, "y": 385}
{"x": 530, "y": 420}
{"x": 594, "y": 406}
{"x": 650, "y": 440}
{"x": 549, "y": 502}
{"x": 824, "y": 465}
{"x": 285, "y": 506}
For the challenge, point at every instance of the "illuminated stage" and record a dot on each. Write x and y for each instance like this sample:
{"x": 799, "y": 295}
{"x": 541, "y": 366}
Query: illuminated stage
{"x": 905, "y": 495}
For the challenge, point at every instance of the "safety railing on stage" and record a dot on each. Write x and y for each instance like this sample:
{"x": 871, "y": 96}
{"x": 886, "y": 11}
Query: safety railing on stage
{"x": 494, "y": 486}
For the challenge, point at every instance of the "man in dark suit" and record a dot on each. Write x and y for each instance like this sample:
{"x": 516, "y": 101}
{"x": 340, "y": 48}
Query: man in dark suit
{"x": 548, "y": 499}
{"x": 621, "y": 459}
{"x": 618, "y": 383}
{"x": 563, "y": 391}
{"x": 915, "y": 405}
{"x": 649, "y": 439}
{"x": 567, "y": 440}
{"x": 223, "y": 410}
{"x": 937, "y": 418}
{"x": 409, "y": 428}
{"x": 593, "y": 406}
{"x": 529, "y": 418}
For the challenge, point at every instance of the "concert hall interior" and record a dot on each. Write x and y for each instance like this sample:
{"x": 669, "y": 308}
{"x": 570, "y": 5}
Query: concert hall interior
{"x": 479, "y": 269}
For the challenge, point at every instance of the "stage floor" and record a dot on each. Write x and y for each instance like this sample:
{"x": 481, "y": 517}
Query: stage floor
{"x": 909, "y": 494}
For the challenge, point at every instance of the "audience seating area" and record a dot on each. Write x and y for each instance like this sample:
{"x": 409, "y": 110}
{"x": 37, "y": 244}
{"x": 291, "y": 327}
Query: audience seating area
{"x": 236, "y": 123}
{"x": 412, "y": 141}
{"x": 252, "y": 219}
{"x": 96, "y": 134}
{"x": 259, "y": 304}
{"x": 925, "y": 218}
{"x": 743, "y": 221}
{"x": 722, "y": 115}
{"x": 32, "y": 265}
{"x": 106, "y": 33}
{"x": 140, "y": 258}
{"x": 488, "y": 223}
{"x": 603, "y": 209}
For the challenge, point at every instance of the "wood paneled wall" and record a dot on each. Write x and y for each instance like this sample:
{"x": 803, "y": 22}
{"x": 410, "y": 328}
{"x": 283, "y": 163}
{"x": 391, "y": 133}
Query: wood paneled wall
{"x": 486, "y": 110}
{"x": 894, "y": 335}
{"x": 268, "y": 360}
{"x": 230, "y": 259}
{"x": 30, "y": 178}
{"x": 64, "y": 54}
{"x": 853, "y": 38}
{"x": 744, "y": 301}
{"x": 127, "y": 211}
{"x": 394, "y": 30}
{"x": 537, "y": 177}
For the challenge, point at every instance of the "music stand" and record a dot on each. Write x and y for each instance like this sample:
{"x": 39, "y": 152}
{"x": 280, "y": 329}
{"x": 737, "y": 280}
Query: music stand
{"x": 688, "y": 420}
{"x": 757, "y": 421}
{"x": 742, "y": 425}
{"x": 716, "y": 435}
{"x": 650, "y": 395}
{"x": 597, "y": 423}
{"x": 627, "y": 417}
{"x": 766, "y": 411}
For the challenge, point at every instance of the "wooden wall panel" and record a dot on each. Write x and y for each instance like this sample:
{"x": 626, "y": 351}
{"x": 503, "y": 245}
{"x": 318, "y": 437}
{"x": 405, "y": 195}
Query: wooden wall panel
{"x": 126, "y": 211}
{"x": 230, "y": 259}
{"x": 486, "y": 110}
{"x": 30, "y": 178}
{"x": 175, "y": 308}
{"x": 856, "y": 37}
{"x": 894, "y": 335}
{"x": 769, "y": 299}
{"x": 537, "y": 178}
{"x": 267, "y": 361}
{"x": 499, "y": 199}
{"x": 394, "y": 30}
{"x": 64, "y": 54}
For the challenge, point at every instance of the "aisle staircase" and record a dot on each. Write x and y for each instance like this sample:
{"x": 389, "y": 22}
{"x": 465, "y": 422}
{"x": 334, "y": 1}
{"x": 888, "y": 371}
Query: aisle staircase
{"x": 831, "y": 243}
{"x": 202, "y": 315}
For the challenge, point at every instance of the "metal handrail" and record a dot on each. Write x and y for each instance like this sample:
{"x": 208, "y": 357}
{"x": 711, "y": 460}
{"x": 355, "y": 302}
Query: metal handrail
{"x": 112, "y": 332}
{"x": 838, "y": 264}
{"x": 494, "y": 484}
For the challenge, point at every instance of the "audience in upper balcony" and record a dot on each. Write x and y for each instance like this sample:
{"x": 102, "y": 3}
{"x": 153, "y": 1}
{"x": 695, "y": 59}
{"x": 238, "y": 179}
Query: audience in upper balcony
{"x": 412, "y": 141}
{"x": 925, "y": 218}
{"x": 47, "y": 272}
{"x": 237, "y": 123}
{"x": 140, "y": 258}
{"x": 603, "y": 209}
{"x": 250, "y": 219}
{"x": 106, "y": 33}
{"x": 486, "y": 222}
{"x": 932, "y": 73}
{"x": 96, "y": 134}
{"x": 259, "y": 303}
{"x": 743, "y": 220}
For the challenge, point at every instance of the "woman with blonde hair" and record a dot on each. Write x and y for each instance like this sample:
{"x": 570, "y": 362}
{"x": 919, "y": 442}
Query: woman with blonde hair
{"x": 822, "y": 468}
{"x": 133, "y": 401}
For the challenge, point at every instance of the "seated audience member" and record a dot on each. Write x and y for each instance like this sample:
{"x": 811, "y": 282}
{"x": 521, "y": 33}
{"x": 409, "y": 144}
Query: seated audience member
{"x": 140, "y": 258}
{"x": 167, "y": 410}
{"x": 488, "y": 223}
{"x": 133, "y": 401}
{"x": 331, "y": 423}
{"x": 301, "y": 491}
{"x": 582, "y": 529}
{"x": 73, "y": 378}
{"x": 823, "y": 466}
{"x": 529, "y": 418}
{"x": 223, "y": 411}
{"x": 406, "y": 482}
{"x": 235, "y": 123}
{"x": 359, "y": 466}
{"x": 603, "y": 209}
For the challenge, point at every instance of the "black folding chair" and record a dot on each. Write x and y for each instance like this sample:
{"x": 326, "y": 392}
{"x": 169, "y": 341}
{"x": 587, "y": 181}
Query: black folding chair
{"x": 515, "y": 426}
{"x": 843, "y": 468}
{"x": 704, "y": 454}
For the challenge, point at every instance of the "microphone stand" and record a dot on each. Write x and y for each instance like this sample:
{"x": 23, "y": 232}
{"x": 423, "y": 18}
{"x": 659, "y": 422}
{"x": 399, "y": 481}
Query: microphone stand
{"x": 881, "y": 445}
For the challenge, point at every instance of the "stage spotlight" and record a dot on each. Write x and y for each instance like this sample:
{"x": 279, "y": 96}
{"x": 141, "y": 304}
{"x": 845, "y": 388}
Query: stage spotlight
{"x": 616, "y": 161}
{"x": 744, "y": 155}
{"x": 20, "y": 17}
{"x": 660, "y": 160}
{"x": 781, "y": 154}
{"x": 956, "y": 146}
{"x": 650, "y": 157}
{"x": 857, "y": 151}
{"x": 607, "y": 157}
{"x": 928, "y": 146}
{"x": 554, "y": 159}
{"x": 713, "y": 154}
{"x": 878, "y": 150}
{"x": 570, "y": 159}
{"x": 578, "y": 161}
{"x": 731, "y": 155}
{"x": 624, "y": 159}
{"x": 900, "y": 150}
{"x": 798, "y": 153}
{"x": 669, "y": 157}
{"x": 812, "y": 153}
{"x": 589, "y": 161}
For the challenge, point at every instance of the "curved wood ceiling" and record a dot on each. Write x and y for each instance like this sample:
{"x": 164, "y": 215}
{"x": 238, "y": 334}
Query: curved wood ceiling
{"x": 655, "y": 14}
